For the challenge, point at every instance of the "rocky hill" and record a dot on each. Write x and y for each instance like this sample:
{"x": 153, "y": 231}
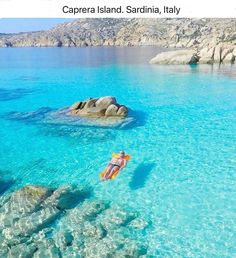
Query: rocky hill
{"x": 179, "y": 33}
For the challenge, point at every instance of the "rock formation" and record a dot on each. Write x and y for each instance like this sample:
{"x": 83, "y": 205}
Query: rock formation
{"x": 221, "y": 53}
{"x": 104, "y": 107}
{"x": 39, "y": 222}
{"x": 96, "y": 112}
{"x": 176, "y": 57}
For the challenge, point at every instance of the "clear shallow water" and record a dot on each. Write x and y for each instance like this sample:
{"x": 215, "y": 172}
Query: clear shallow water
{"x": 182, "y": 174}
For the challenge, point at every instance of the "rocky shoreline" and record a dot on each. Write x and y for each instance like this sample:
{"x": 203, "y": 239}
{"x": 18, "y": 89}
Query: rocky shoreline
{"x": 37, "y": 221}
{"x": 221, "y": 53}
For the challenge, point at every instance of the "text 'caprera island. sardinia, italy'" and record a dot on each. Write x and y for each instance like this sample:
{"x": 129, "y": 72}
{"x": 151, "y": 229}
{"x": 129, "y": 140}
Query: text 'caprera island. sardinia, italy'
{"x": 122, "y": 10}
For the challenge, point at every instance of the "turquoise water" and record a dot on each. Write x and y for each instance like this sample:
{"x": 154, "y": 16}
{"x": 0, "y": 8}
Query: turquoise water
{"x": 182, "y": 174}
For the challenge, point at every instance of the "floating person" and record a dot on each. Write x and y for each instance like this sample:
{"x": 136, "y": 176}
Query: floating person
{"x": 117, "y": 163}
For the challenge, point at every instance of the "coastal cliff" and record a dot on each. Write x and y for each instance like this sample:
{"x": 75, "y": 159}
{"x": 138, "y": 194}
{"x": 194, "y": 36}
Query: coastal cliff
{"x": 172, "y": 33}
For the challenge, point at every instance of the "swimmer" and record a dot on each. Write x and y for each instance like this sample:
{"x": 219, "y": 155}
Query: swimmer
{"x": 117, "y": 163}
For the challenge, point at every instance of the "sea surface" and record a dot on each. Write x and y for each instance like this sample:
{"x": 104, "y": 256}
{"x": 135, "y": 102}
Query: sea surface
{"x": 182, "y": 175}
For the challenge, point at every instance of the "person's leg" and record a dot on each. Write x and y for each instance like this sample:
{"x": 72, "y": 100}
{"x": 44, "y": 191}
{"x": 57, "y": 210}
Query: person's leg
{"x": 109, "y": 174}
{"x": 108, "y": 170}
{"x": 113, "y": 171}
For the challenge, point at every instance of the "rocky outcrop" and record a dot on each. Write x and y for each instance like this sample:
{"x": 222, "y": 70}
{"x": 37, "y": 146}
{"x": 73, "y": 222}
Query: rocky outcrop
{"x": 104, "y": 107}
{"x": 105, "y": 112}
{"x": 176, "y": 57}
{"x": 221, "y": 53}
{"x": 65, "y": 222}
{"x": 171, "y": 33}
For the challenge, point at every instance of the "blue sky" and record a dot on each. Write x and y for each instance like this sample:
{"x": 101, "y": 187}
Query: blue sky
{"x": 14, "y": 25}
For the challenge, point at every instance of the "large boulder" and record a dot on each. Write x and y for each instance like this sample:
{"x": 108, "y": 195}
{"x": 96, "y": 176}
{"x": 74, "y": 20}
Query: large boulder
{"x": 105, "y": 102}
{"x": 111, "y": 110}
{"x": 103, "y": 107}
{"x": 227, "y": 55}
{"x": 176, "y": 57}
{"x": 207, "y": 55}
{"x": 229, "y": 58}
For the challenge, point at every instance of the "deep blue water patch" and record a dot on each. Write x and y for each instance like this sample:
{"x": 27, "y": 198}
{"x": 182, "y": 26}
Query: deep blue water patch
{"x": 5, "y": 185}
{"x": 6, "y": 182}
{"x": 33, "y": 116}
{"x": 12, "y": 94}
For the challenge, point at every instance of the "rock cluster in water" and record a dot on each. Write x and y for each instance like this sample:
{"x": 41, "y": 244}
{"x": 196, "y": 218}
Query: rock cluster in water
{"x": 220, "y": 53}
{"x": 100, "y": 112}
{"x": 103, "y": 107}
{"x": 40, "y": 222}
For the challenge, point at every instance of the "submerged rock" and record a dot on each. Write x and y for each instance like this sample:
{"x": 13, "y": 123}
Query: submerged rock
{"x": 22, "y": 202}
{"x": 32, "y": 116}
{"x": 94, "y": 230}
{"x": 47, "y": 248}
{"x": 64, "y": 222}
{"x": 22, "y": 250}
{"x": 66, "y": 197}
{"x": 115, "y": 217}
{"x": 103, "y": 107}
{"x": 4, "y": 251}
{"x": 63, "y": 239}
{"x": 138, "y": 223}
{"x": 132, "y": 250}
{"x": 26, "y": 226}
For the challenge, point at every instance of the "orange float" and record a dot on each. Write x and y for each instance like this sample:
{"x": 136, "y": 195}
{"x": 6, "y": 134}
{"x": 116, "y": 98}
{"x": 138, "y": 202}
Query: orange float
{"x": 116, "y": 155}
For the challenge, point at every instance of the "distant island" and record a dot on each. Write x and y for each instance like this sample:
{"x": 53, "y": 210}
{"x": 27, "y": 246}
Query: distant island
{"x": 211, "y": 40}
